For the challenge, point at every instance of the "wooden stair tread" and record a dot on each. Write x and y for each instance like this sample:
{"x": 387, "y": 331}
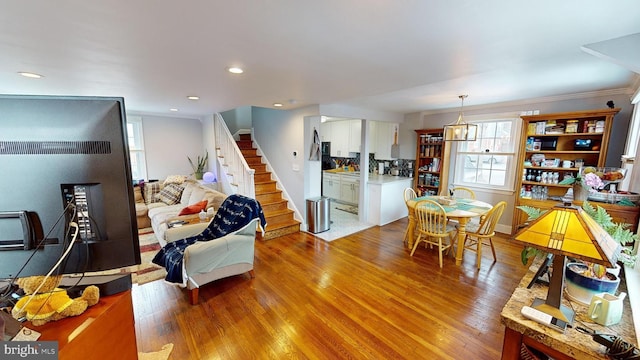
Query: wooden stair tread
{"x": 281, "y": 224}
{"x": 280, "y": 219}
{"x": 277, "y": 212}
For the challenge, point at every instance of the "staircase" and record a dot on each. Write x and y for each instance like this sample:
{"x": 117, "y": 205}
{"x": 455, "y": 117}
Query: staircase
{"x": 280, "y": 220}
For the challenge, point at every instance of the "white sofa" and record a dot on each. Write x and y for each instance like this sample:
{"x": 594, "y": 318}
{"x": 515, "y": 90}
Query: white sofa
{"x": 160, "y": 212}
{"x": 207, "y": 261}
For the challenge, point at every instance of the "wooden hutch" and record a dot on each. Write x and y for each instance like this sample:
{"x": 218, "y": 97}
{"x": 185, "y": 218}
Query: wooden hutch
{"x": 559, "y": 138}
{"x": 432, "y": 162}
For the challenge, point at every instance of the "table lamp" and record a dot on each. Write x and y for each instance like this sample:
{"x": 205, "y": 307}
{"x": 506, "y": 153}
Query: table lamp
{"x": 567, "y": 231}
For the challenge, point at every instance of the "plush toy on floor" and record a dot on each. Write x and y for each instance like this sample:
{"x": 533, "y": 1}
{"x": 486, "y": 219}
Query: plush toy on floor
{"x": 50, "y": 303}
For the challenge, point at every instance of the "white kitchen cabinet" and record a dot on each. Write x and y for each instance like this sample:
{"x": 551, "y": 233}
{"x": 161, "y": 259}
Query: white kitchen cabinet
{"x": 386, "y": 201}
{"x": 349, "y": 189}
{"x": 339, "y": 138}
{"x": 373, "y": 131}
{"x": 385, "y": 132}
{"x": 331, "y": 186}
{"x": 355, "y": 127}
{"x": 325, "y": 131}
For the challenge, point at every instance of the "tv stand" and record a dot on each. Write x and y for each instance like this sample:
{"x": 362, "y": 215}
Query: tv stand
{"x": 104, "y": 331}
{"x": 108, "y": 284}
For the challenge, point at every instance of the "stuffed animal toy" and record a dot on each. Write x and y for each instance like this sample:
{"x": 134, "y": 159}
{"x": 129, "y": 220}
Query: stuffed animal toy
{"x": 50, "y": 303}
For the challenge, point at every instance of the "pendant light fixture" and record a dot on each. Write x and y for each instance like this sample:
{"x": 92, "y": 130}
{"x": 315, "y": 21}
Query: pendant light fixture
{"x": 460, "y": 131}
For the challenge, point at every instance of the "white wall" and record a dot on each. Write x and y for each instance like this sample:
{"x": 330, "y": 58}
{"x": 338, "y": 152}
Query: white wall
{"x": 168, "y": 141}
{"x": 237, "y": 119}
{"x": 575, "y": 102}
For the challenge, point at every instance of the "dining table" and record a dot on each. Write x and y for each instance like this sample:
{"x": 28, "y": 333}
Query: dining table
{"x": 462, "y": 210}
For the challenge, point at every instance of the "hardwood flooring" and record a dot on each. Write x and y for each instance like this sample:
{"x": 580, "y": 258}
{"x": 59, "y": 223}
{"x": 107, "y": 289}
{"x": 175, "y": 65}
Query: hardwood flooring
{"x": 359, "y": 297}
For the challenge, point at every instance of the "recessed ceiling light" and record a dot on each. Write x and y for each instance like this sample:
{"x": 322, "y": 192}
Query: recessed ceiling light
{"x": 193, "y": 97}
{"x": 235, "y": 70}
{"x": 173, "y": 109}
{"x": 277, "y": 104}
{"x": 30, "y": 75}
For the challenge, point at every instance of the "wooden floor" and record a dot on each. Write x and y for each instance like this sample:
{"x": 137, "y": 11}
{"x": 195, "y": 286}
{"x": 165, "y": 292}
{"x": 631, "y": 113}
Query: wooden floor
{"x": 359, "y": 297}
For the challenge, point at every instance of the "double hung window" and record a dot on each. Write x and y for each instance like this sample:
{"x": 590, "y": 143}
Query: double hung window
{"x": 489, "y": 161}
{"x": 136, "y": 148}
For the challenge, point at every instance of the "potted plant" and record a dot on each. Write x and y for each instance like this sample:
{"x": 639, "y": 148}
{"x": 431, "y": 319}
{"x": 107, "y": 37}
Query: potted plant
{"x": 585, "y": 182}
{"x": 585, "y": 279}
{"x": 199, "y": 166}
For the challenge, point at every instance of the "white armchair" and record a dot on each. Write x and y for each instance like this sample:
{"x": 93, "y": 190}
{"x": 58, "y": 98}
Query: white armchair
{"x": 207, "y": 261}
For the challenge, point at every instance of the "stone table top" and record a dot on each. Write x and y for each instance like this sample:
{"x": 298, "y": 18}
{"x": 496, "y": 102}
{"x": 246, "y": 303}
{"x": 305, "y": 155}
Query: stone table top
{"x": 571, "y": 342}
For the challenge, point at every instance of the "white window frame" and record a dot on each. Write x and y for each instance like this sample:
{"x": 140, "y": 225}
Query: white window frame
{"x": 511, "y": 155}
{"x": 136, "y": 147}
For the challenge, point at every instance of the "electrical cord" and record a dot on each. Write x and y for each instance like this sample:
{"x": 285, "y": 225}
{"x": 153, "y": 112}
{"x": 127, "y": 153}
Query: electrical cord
{"x": 75, "y": 235}
{"x": 622, "y": 350}
{"x": 617, "y": 348}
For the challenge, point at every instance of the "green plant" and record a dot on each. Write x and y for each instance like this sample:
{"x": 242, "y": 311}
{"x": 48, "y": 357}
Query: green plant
{"x": 619, "y": 232}
{"x": 200, "y": 164}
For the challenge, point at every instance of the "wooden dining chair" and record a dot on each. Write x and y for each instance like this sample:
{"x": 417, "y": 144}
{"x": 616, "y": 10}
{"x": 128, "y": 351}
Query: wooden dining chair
{"x": 433, "y": 227}
{"x": 461, "y": 192}
{"x": 481, "y": 234}
{"x": 409, "y": 194}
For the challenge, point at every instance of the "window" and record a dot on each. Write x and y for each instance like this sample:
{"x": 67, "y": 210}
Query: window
{"x": 136, "y": 148}
{"x": 490, "y": 160}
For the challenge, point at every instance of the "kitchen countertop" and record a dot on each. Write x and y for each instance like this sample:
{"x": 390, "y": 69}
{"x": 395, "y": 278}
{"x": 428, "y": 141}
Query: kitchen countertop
{"x": 373, "y": 178}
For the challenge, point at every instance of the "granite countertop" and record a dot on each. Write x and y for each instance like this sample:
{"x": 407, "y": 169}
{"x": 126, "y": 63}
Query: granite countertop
{"x": 572, "y": 342}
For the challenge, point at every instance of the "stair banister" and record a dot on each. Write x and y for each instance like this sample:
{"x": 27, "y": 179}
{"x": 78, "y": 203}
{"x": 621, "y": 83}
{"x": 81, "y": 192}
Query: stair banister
{"x": 243, "y": 175}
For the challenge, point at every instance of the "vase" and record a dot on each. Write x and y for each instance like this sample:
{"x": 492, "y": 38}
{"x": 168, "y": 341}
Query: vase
{"x": 580, "y": 193}
{"x": 581, "y": 288}
{"x": 198, "y": 175}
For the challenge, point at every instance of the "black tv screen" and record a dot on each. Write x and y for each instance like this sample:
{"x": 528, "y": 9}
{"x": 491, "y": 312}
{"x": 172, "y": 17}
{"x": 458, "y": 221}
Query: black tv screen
{"x": 65, "y": 160}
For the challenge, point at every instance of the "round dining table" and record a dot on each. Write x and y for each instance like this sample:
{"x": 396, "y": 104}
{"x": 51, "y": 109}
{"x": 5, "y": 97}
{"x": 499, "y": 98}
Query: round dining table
{"x": 461, "y": 210}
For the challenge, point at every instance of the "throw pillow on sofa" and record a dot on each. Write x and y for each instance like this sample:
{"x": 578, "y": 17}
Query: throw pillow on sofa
{"x": 151, "y": 189}
{"x": 170, "y": 194}
{"x": 174, "y": 179}
{"x": 194, "y": 209}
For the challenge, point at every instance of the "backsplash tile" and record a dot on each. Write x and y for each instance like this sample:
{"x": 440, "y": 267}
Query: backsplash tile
{"x": 403, "y": 164}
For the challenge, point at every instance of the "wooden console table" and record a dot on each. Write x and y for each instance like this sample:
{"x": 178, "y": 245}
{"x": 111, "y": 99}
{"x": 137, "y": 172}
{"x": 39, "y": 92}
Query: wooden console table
{"x": 570, "y": 345}
{"x": 104, "y": 331}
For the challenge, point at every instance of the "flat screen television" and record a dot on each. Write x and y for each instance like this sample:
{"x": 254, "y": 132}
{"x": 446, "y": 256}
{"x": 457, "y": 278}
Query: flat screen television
{"x": 65, "y": 160}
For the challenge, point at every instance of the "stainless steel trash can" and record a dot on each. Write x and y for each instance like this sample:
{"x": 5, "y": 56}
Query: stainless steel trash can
{"x": 318, "y": 218}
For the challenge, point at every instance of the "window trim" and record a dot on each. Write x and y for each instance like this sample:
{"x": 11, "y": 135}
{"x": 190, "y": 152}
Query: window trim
{"x": 509, "y": 187}
{"x": 137, "y": 123}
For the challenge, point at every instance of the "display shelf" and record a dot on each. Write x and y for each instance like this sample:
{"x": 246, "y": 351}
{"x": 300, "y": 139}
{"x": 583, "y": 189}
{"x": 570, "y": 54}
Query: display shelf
{"x": 430, "y": 169}
{"x": 588, "y": 143}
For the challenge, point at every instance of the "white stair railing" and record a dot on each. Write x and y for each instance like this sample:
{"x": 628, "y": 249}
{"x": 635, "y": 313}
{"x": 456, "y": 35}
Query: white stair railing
{"x": 232, "y": 161}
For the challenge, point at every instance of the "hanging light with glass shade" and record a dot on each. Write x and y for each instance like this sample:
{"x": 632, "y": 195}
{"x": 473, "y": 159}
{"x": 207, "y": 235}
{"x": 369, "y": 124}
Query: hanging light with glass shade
{"x": 460, "y": 131}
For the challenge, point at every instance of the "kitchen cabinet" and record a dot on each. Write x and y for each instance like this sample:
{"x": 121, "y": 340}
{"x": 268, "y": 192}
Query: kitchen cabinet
{"x": 386, "y": 199}
{"x": 331, "y": 185}
{"x": 385, "y": 134}
{"x": 344, "y": 136}
{"x": 432, "y": 162}
{"x": 355, "y": 127}
{"x": 326, "y": 131}
{"x": 373, "y": 131}
{"x": 557, "y": 138}
{"x": 349, "y": 189}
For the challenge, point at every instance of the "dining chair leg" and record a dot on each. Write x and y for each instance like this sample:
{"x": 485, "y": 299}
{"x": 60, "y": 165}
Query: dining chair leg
{"x": 440, "y": 251}
{"x": 415, "y": 245}
{"x": 479, "y": 252}
{"x": 493, "y": 250}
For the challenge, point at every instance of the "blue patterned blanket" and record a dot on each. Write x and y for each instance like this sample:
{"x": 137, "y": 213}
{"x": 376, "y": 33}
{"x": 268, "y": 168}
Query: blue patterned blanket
{"x": 235, "y": 213}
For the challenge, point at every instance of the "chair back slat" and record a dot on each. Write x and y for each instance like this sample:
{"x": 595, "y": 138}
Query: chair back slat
{"x": 461, "y": 192}
{"x": 409, "y": 194}
{"x": 490, "y": 219}
{"x": 432, "y": 218}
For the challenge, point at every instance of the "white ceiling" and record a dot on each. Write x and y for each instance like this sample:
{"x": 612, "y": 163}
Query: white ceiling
{"x": 399, "y": 56}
